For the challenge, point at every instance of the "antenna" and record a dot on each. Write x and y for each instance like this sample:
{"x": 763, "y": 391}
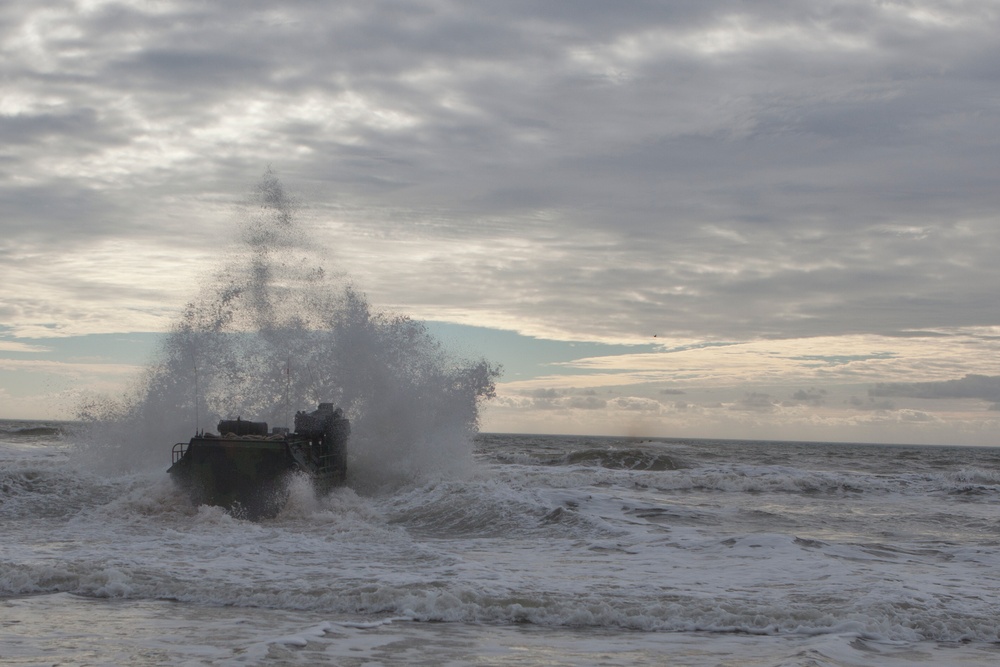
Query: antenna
{"x": 288, "y": 391}
{"x": 197, "y": 392}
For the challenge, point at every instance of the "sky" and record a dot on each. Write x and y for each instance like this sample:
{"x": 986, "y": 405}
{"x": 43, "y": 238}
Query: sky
{"x": 769, "y": 220}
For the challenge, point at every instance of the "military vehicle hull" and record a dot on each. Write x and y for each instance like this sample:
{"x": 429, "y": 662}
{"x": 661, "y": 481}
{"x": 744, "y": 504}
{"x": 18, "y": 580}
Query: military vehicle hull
{"x": 246, "y": 470}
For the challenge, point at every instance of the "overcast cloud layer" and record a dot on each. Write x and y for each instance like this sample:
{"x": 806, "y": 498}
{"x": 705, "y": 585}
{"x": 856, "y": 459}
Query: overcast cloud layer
{"x": 711, "y": 173}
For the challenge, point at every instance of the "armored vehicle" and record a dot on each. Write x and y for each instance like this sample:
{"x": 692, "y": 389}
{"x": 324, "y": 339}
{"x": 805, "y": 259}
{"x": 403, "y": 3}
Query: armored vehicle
{"x": 245, "y": 468}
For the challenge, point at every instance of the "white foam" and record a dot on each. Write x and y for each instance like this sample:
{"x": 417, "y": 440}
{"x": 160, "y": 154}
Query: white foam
{"x": 550, "y": 546}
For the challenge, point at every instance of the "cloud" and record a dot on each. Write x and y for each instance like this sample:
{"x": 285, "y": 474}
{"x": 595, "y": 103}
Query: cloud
{"x": 724, "y": 171}
{"x": 755, "y": 402}
{"x": 815, "y": 362}
{"x": 811, "y": 396}
{"x": 586, "y": 403}
{"x": 17, "y": 346}
{"x": 544, "y": 394}
{"x": 71, "y": 369}
{"x": 635, "y": 404}
{"x": 871, "y": 404}
{"x": 546, "y": 398}
{"x": 983, "y": 387}
{"x": 786, "y": 194}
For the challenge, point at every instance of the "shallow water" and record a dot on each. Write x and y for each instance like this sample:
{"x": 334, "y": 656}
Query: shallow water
{"x": 65, "y": 629}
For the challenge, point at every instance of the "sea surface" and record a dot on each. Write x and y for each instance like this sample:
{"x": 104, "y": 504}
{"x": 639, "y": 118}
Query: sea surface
{"x": 550, "y": 550}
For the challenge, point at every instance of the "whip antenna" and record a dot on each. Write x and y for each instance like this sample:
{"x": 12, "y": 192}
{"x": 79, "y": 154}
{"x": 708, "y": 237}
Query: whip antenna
{"x": 197, "y": 392}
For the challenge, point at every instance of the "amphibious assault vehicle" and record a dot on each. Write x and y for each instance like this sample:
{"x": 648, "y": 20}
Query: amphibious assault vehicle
{"x": 245, "y": 468}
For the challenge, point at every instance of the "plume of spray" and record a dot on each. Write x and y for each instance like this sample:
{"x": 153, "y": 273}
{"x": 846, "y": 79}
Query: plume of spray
{"x": 275, "y": 332}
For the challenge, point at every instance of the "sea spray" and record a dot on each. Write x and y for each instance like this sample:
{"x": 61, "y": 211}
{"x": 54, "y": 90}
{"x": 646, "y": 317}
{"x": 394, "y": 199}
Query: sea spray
{"x": 273, "y": 332}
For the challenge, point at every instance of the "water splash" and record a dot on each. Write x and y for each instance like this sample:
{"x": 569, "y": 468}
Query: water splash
{"x": 274, "y": 332}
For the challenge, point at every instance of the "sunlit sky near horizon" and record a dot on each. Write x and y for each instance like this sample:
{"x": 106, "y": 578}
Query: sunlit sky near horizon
{"x": 728, "y": 219}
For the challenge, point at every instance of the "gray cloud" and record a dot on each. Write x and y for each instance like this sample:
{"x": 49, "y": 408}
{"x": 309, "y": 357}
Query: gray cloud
{"x": 982, "y": 387}
{"x": 717, "y": 170}
{"x": 755, "y": 402}
{"x": 544, "y": 395}
{"x": 58, "y": 125}
{"x": 635, "y": 404}
{"x": 551, "y": 399}
{"x": 870, "y": 404}
{"x": 586, "y": 403}
{"x": 811, "y": 396}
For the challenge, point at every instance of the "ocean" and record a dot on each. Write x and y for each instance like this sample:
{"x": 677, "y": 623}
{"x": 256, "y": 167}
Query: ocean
{"x": 547, "y": 550}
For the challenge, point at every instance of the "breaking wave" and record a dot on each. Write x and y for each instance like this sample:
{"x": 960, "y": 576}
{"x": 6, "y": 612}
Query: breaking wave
{"x": 622, "y": 459}
{"x": 30, "y": 432}
{"x": 275, "y": 331}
